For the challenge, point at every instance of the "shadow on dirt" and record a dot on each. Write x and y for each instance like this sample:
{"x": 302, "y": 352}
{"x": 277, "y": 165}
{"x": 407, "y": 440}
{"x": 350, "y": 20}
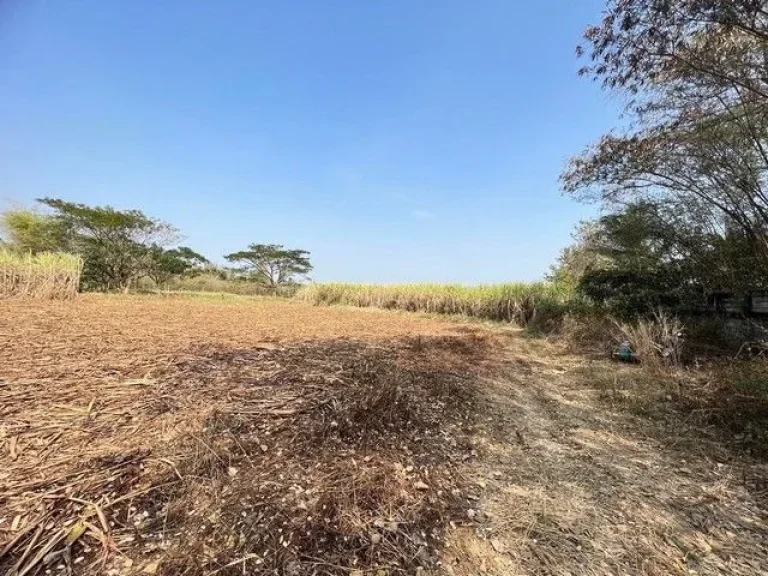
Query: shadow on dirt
{"x": 316, "y": 459}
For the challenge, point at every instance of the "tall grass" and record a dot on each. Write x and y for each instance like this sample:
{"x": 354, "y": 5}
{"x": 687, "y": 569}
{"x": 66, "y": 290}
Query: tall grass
{"x": 658, "y": 341}
{"x": 524, "y": 304}
{"x": 50, "y": 275}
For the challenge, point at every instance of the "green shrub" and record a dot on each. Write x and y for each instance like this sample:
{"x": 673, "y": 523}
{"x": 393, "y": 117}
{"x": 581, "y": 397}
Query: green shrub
{"x": 212, "y": 282}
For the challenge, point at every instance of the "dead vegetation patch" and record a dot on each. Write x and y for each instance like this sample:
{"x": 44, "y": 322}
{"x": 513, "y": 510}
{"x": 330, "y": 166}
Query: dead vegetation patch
{"x": 316, "y": 458}
{"x": 572, "y": 486}
{"x": 727, "y": 398}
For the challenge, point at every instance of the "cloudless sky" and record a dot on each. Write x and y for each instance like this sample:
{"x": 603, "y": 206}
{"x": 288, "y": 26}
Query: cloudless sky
{"x": 397, "y": 141}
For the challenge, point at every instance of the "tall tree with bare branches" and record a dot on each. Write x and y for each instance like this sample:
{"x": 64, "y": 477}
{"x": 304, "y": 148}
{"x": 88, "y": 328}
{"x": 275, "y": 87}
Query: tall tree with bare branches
{"x": 695, "y": 75}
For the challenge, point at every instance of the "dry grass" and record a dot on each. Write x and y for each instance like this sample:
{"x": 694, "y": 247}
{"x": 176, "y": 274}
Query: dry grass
{"x": 539, "y": 303}
{"x": 727, "y": 397}
{"x": 658, "y": 341}
{"x": 357, "y": 475}
{"x": 134, "y": 448}
{"x": 212, "y": 283}
{"x": 572, "y": 485}
{"x": 221, "y": 436}
{"x": 46, "y": 275}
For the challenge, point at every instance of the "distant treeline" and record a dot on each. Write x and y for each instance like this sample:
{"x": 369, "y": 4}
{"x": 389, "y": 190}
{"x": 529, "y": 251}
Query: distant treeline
{"x": 126, "y": 249}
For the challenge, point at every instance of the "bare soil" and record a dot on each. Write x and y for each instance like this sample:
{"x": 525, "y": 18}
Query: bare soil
{"x": 144, "y": 435}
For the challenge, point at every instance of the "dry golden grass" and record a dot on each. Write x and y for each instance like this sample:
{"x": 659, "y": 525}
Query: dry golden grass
{"x": 46, "y": 275}
{"x": 573, "y": 485}
{"x": 536, "y": 304}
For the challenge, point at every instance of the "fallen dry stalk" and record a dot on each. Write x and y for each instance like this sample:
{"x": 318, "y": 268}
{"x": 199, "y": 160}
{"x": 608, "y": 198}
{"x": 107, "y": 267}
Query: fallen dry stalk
{"x": 310, "y": 459}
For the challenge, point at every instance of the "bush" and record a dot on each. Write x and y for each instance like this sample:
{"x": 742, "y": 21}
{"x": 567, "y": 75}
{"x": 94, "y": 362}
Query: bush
{"x": 657, "y": 341}
{"x": 590, "y": 334}
{"x": 632, "y": 293}
{"x": 212, "y": 282}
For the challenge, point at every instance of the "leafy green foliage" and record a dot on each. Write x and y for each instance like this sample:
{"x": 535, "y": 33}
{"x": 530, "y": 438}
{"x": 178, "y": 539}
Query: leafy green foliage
{"x": 640, "y": 259}
{"x": 115, "y": 244}
{"x": 693, "y": 74}
{"x": 575, "y": 260}
{"x": 164, "y": 264}
{"x": 631, "y": 293}
{"x": 272, "y": 264}
{"x": 32, "y": 232}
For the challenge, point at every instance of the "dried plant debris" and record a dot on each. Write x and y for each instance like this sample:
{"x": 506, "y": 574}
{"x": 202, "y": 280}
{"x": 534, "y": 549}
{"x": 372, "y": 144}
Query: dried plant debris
{"x": 319, "y": 458}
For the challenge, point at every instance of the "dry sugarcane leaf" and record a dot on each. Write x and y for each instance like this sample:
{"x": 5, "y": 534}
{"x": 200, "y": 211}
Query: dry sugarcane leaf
{"x": 26, "y": 530}
{"x": 89, "y": 410}
{"x": 44, "y": 551}
{"x": 12, "y": 447}
{"x": 29, "y": 548}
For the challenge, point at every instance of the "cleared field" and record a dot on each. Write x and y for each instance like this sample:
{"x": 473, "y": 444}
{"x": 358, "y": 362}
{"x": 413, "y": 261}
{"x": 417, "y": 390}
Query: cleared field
{"x": 202, "y": 436}
{"x": 196, "y": 436}
{"x": 102, "y": 335}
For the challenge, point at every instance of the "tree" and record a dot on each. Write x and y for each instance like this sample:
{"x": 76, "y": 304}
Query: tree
{"x": 577, "y": 259}
{"x": 710, "y": 174}
{"x": 640, "y": 258}
{"x": 29, "y": 231}
{"x": 638, "y": 267}
{"x": 641, "y": 44}
{"x": 118, "y": 247}
{"x": 272, "y": 264}
{"x": 164, "y": 264}
{"x": 114, "y": 244}
{"x": 694, "y": 71}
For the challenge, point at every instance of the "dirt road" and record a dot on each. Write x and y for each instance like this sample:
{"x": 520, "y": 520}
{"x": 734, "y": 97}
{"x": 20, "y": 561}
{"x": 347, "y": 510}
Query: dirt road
{"x": 574, "y": 485}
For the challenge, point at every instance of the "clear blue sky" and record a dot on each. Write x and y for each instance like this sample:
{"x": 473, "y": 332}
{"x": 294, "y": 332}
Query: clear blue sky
{"x": 405, "y": 140}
